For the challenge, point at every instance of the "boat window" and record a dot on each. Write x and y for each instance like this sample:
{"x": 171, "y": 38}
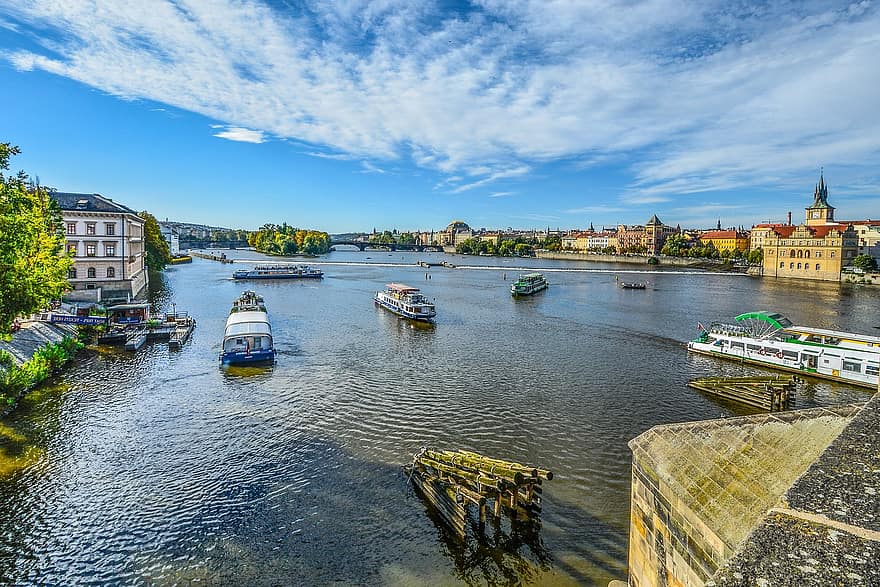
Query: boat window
{"x": 871, "y": 369}
{"x": 736, "y": 345}
{"x": 790, "y": 355}
{"x": 852, "y": 366}
{"x": 832, "y": 355}
{"x": 753, "y": 347}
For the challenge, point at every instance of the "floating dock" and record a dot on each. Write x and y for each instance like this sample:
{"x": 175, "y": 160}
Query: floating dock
{"x": 184, "y": 326}
{"x": 771, "y": 394}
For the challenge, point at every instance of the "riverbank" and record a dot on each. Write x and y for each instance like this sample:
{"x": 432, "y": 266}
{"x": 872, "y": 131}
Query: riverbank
{"x": 662, "y": 260}
{"x": 33, "y": 340}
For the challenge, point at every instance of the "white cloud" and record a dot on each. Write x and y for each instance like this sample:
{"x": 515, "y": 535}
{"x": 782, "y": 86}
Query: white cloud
{"x": 705, "y": 95}
{"x": 501, "y": 194}
{"x": 244, "y": 135}
{"x": 367, "y": 167}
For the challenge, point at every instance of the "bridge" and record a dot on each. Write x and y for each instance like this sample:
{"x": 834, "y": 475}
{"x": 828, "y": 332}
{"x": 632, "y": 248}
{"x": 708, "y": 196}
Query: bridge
{"x": 362, "y": 246}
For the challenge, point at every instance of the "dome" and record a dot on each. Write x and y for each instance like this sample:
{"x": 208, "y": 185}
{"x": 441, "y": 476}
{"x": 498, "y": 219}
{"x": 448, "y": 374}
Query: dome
{"x": 458, "y": 226}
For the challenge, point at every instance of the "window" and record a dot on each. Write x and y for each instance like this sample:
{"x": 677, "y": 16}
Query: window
{"x": 832, "y": 254}
{"x": 806, "y": 265}
{"x": 800, "y": 254}
{"x": 852, "y": 366}
{"x": 71, "y": 249}
{"x": 90, "y": 228}
{"x": 807, "y": 254}
{"x": 109, "y": 250}
{"x": 91, "y": 273}
{"x": 91, "y": 249}
{"x": 71, "y": 228}
{"x": 111, "y": 272}
{"x": 818, "y": 254}
{"x": 799, "y": 265}
{"x": 792, "y": 253}
{"x": 871, "y": 369}
{"x": 109, "y": 229}
{"x": 71, "y": 273}
{"x": 782, "y": 264}
{"x": 818, "y": 267}
{"x": 791, "y": 266}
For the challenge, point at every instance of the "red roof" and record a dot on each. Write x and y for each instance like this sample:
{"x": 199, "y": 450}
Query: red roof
{"x": 717, "y": 234}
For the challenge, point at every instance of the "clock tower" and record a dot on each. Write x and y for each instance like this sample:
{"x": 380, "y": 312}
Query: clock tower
{"x": 820, "y": 212}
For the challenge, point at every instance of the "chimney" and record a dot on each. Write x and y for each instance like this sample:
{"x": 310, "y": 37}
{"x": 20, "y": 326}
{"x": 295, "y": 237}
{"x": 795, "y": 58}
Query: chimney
{"x": 789, "y": 217}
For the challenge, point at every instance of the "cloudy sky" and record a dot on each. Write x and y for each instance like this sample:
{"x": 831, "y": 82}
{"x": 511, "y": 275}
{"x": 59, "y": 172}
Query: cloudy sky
{"x": 353, "y": 114}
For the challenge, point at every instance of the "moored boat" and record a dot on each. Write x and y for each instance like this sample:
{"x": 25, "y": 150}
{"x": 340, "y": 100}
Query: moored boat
{"x": 279, "y": 272}
{"x": 248, "y": 335}
{"x": 770, "y": 339}
{"x": 633, "y": 285}
{"x": 527, "y": 284}
{"x": 406, "y": 301}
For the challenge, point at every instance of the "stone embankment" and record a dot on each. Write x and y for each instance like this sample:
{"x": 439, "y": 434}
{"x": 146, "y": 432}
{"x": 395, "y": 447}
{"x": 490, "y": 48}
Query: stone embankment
{"x": 32, "y": 336}
{"x": 662, "y": 260}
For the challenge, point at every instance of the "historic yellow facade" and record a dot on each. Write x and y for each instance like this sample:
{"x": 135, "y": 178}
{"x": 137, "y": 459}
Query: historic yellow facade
{"x": 817, "y": 249}
{"x": 726, "y": 240}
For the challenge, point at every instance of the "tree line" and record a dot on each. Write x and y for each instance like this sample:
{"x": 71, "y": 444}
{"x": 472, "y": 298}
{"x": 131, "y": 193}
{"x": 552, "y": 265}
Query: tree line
{"x": 284, "y": 239}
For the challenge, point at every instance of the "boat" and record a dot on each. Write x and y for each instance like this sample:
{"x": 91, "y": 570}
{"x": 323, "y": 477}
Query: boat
{"x": 279, "y": 272}
{"x": 633, "y": 285}
{"x": 527, "y": 284}
{"x": 771, "y": 340}
{"x": 248, "y": 335}
{"x": 406, "y": 301}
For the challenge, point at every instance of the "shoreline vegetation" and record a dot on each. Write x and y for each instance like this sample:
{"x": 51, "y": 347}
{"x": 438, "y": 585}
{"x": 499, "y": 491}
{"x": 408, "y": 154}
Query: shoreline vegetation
{"x": 18, "y": 380}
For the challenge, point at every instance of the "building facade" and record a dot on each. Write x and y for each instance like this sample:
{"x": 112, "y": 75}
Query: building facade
{"x": 726, "y": 240}
{"x": 656, "y": 234}
{"x": 106, "y": 241}
{"x": 817, "y": 249}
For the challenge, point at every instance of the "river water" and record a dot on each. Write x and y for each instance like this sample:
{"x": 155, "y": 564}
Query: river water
{"x": 158, "y": 467}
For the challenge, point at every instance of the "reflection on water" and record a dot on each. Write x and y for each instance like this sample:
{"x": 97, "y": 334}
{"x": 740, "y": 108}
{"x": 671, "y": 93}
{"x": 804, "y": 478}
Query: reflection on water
{"x": 160, "y": 467}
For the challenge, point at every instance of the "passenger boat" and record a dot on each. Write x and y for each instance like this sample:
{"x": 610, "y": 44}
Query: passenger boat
{"x": 248, "y": 336}
{"x": 527, "y": 284}
{"x": 406, "y": 301}
{"x": 278, "y": 272}
{"x": 771, "y": 340}
{"x": 633, "y": 285}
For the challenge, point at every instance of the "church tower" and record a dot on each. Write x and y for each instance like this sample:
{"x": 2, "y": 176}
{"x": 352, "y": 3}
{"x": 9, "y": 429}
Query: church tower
{"x": 820, "y": 212}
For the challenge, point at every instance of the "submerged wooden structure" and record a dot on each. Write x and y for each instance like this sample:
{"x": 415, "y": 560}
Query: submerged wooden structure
{"x": 451, "y": 481}
{"x": 772, "y": 394}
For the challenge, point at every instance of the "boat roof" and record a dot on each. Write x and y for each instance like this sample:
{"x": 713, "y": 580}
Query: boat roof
{"x": 128, "y": 306}
{"x": 836, "y": 334}
{"x": 530, "y": 275}
{"x": 247, "y": 316}
{"x": 401, "y": 288}
{"x": 774, "y": 319}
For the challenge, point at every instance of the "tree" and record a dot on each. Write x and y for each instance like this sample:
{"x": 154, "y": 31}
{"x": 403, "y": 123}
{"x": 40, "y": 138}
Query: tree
{"x": 158, "y": 251}
{"x": 756, "y": 256}
{"x": 34, "y": 266}
{"x": 865, "y": 262}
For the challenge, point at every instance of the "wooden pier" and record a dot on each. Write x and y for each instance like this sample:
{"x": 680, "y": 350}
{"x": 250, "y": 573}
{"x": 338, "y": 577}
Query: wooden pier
{"x": 772, "y": 394}
{"x": 453, "y": 480}
{"x": 183, "y": 327}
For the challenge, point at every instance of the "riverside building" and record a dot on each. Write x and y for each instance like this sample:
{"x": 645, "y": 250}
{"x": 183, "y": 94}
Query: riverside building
{"x": 106, "y": 240}
{"x": 817, "y": 249}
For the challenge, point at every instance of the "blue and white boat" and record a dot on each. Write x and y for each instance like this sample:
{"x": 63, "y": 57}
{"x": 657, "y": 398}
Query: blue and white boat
{"x": 279, "y": 272}
{"x": 406, "y": 301}
{"x": 248, "y": 336}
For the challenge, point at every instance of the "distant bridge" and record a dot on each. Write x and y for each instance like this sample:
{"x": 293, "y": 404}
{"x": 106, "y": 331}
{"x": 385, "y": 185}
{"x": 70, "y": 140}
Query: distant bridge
{"x": 362, "y": 246}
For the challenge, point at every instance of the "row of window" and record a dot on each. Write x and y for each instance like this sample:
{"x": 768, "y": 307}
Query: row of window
{"x": 91, "y": 228}
{"x": 92, "y": 250}
{"x": 91, "y": 272}
{"x": 802, "y": 254}
{"x": 805, "y": 266}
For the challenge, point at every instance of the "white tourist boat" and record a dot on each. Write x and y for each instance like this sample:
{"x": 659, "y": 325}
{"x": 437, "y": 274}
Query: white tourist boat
{"x": 527, "y": 284}
{"x": 406, "y": 301}
{"x": 279, "y": 272}
{"x": 770, "y": 339}
{"x": 248, "y": 335}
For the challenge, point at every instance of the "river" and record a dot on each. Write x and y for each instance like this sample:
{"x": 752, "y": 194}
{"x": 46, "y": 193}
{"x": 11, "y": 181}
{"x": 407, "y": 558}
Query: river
{"x": 158, "y": 467}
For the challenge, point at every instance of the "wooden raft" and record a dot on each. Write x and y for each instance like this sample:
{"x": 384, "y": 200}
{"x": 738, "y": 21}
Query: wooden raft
{"x": 773, "y": 393}
{"x": 453, "y": 480}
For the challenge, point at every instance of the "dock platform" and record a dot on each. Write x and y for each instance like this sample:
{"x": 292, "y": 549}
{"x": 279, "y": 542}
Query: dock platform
{"x": 772, "y": 394}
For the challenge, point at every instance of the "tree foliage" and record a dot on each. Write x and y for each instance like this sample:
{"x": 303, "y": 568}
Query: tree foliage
{"x": 865, "y": 262}
{"x": 157, "y": 249}
{"x": 284, "y": 239}
{"x": 34, "y": 265}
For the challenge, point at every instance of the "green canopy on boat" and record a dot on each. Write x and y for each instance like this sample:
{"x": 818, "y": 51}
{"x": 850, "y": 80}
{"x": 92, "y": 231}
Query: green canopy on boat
{"x": 774, "y": 319}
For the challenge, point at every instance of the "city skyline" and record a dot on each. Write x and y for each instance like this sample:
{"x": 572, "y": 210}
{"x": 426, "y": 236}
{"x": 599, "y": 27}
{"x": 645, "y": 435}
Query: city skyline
{"x": 409, "y": 115}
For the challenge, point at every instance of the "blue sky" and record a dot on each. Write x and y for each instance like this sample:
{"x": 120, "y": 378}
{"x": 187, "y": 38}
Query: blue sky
{"x": 355, "y": 114}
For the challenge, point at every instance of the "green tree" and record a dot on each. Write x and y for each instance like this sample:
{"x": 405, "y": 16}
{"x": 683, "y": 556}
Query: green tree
{"x": 157, "y": 249}
{"x": 756, "y": 256}
{"x": 34, "y": 265}
{"x": 865, "y": 262}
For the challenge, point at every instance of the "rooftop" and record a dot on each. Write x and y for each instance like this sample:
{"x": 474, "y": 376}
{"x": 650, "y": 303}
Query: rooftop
{"x": 89, "y": 203}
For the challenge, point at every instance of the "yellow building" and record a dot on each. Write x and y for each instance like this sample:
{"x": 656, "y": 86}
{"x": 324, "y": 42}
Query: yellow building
{"x": 726, "y": 240}
{"x": 817, "y": 249}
